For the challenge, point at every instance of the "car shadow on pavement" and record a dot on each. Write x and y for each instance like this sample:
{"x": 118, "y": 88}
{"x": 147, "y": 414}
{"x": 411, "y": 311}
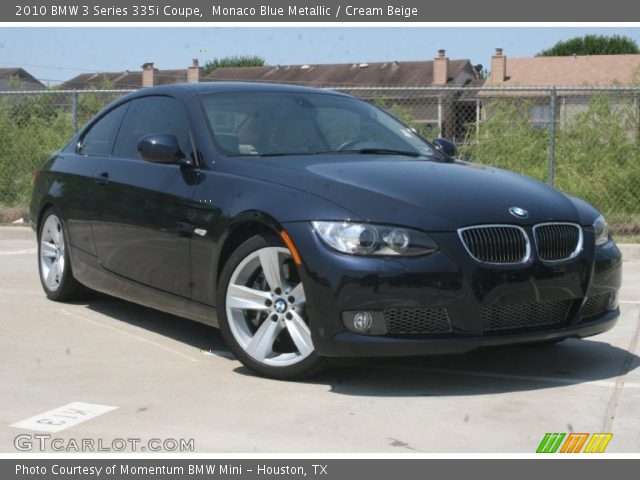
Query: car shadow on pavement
{"x": 486, "y": 371}
{"x": 481, "y": 372}
{"x": 200, "y": 336}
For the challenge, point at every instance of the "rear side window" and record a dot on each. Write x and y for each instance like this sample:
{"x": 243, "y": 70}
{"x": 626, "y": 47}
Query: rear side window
{"x": 152, "y": 115}
{"x": 98, "y": 141}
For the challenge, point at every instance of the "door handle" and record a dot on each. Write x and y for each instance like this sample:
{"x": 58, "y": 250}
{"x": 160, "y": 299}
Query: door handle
{"x": 185, "y": 229}
{"x": 101, "y": 178}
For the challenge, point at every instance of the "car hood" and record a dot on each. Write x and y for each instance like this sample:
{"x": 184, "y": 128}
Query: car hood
{"x": 432, "y": 195}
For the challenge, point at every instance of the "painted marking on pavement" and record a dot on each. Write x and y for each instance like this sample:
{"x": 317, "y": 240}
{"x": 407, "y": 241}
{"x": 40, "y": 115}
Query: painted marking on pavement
{"x": 131, "y": 335}
{"x": 19, "y": 252}
{"x": 219, "y": 353}
{"x": 63, "y": 417}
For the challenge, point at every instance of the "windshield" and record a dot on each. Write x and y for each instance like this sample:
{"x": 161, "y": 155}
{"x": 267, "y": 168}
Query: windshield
{"x": 290, "y": 123}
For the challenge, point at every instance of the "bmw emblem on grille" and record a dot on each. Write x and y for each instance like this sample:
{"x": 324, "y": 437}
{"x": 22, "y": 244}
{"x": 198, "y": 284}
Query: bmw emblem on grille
{"x": 518, "y": 212}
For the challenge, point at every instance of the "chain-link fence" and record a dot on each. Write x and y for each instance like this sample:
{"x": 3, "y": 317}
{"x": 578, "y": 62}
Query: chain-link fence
{"x": 32, "y": 125}
{"x": 584, "y": 141}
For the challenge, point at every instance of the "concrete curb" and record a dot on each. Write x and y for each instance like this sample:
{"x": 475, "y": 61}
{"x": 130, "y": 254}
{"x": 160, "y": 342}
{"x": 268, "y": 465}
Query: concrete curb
{"x": 17, "y": 232}
{"x": 630, "y": 251}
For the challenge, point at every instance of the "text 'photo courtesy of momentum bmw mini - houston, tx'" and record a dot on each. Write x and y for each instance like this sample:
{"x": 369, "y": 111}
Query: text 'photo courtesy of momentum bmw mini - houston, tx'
{"x": 308, "y": 224}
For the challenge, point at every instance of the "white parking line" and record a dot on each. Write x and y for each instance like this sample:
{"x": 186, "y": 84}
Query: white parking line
{"x": 151, "y": 342}
{"x": 63, "y": 417}
{"x": 630, "y": 302}
{"x": 219, "y": 353}
{"x": 18, "y": 252}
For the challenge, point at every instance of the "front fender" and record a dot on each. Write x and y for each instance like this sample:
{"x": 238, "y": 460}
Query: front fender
{"x": 224, "y": 202}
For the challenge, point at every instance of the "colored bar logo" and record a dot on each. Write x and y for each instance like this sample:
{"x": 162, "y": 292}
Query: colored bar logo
{"x": 573, "y": 443}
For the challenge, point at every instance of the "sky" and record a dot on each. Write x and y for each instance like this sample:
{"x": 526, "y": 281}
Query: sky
{"x": 58, "y": 54}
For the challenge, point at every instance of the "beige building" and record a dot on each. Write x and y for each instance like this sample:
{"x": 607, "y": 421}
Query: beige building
{"x": 16, "y": 78}
{"x": 148, "y": 76}
{"x": 588, "y": 73}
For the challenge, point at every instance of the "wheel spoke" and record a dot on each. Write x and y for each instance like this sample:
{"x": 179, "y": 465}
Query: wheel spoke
{"x": 245, "y": 298}
{"x": 298, "y": 294}
{"x": 54, "y": 270}
{"x": 55, "y": 234}
{"x": 270, "y": 262}
{"x": 261, "y": 345}
{"x": 263, "y": 342}
{"x": 300, "y": 334}
{"x": 47, "y": 249}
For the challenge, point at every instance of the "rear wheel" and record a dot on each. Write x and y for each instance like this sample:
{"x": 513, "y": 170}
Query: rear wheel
{"x": 262, "y": 311}
{"x": 53, "y": 260}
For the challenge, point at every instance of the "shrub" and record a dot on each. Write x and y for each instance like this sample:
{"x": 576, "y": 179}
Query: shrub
{"x": 597, "y": 154}
{"x": 31, "y": 127}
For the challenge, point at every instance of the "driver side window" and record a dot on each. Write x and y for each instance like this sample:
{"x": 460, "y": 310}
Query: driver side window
{"x": 98, "y": 141}
{"x": 153, "y": 115}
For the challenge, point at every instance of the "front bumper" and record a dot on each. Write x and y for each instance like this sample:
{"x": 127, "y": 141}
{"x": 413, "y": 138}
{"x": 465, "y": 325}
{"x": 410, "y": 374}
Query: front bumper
{"x": 349, "y": 344}
{"x": 452, "y": 281}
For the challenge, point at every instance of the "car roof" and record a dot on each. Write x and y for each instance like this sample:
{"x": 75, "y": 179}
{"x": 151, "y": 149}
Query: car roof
{"x": 214, "y": 87}
{"x": 180, "y": 89}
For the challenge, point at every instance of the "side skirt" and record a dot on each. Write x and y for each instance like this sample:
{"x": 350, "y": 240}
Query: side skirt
{"x": 88, "y": 271}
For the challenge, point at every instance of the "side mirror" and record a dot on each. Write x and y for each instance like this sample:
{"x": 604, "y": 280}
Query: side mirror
{"x": 161, "y": 148}
{"x": 446, "y": 146}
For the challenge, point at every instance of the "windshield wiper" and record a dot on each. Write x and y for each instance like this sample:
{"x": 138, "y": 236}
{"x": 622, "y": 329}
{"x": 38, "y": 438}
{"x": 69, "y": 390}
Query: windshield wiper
{"x": 377, "y": 151}
{"x": 277, "y": 154}
{"x": 363, "y": 151}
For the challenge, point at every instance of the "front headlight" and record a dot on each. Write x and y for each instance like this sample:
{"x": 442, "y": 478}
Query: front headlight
{"x": 368, "y": 239}
{"x": 601, "y": 230}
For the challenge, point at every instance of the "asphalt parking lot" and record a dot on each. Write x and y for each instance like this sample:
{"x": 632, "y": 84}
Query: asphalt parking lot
{"x": 170, "y": 378}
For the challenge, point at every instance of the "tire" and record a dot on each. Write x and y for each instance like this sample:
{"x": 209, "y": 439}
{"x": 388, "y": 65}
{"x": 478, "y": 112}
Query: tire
{"x": 54, "y": 264}
{"x": 272, "y": 339}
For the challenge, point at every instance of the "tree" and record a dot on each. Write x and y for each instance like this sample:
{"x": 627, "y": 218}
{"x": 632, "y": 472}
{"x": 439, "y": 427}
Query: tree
{"x": 592, "y": 45}
{"x": 233, "y": 61}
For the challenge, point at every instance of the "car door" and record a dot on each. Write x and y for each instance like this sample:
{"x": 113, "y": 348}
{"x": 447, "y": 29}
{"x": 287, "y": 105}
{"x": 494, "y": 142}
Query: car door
{"x": 144, "y": 232}
{"x": 76, "y": 167}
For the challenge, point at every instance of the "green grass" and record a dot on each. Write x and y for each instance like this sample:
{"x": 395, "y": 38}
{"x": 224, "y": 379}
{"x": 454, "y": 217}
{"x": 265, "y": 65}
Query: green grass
{"x": 597, "y": 153}
{"x": 627, "y": 238}
{"x": 597, "y": 149}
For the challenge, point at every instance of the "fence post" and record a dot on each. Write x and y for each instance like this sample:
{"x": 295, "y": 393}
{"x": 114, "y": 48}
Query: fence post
{"x": 74, "y": 111}
{"x": 440, "y": 115}
{"x": 552, "y": 136}
{"x": 636, "y": 105}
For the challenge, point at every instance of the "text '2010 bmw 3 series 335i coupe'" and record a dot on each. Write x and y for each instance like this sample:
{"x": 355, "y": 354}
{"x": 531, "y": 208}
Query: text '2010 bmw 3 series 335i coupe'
{"x": 308, "y": 224}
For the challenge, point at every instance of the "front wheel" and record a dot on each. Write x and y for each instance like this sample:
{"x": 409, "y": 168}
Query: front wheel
{"x": 262, "y": 311}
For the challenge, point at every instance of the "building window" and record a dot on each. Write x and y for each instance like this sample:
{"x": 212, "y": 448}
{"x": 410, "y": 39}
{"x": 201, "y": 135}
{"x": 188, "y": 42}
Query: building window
{"x": 540, "y": 116}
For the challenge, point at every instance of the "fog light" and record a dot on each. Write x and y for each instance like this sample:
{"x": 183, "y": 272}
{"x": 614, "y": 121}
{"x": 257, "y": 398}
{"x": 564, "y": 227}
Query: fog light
{"x": 365, "y": 322}
{"x": 362, "y": 321}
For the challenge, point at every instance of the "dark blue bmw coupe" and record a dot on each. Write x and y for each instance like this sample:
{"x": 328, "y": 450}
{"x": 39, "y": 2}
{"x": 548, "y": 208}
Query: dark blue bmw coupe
{"x": 308, "y": 224}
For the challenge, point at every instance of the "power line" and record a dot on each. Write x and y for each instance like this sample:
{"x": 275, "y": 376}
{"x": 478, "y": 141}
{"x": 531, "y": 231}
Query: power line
{"x": 13, "y": 64}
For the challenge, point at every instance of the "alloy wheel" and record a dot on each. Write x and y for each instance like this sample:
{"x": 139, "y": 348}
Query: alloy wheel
{"x": 52, "y": 253}
{"x": 266, "y": 308}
